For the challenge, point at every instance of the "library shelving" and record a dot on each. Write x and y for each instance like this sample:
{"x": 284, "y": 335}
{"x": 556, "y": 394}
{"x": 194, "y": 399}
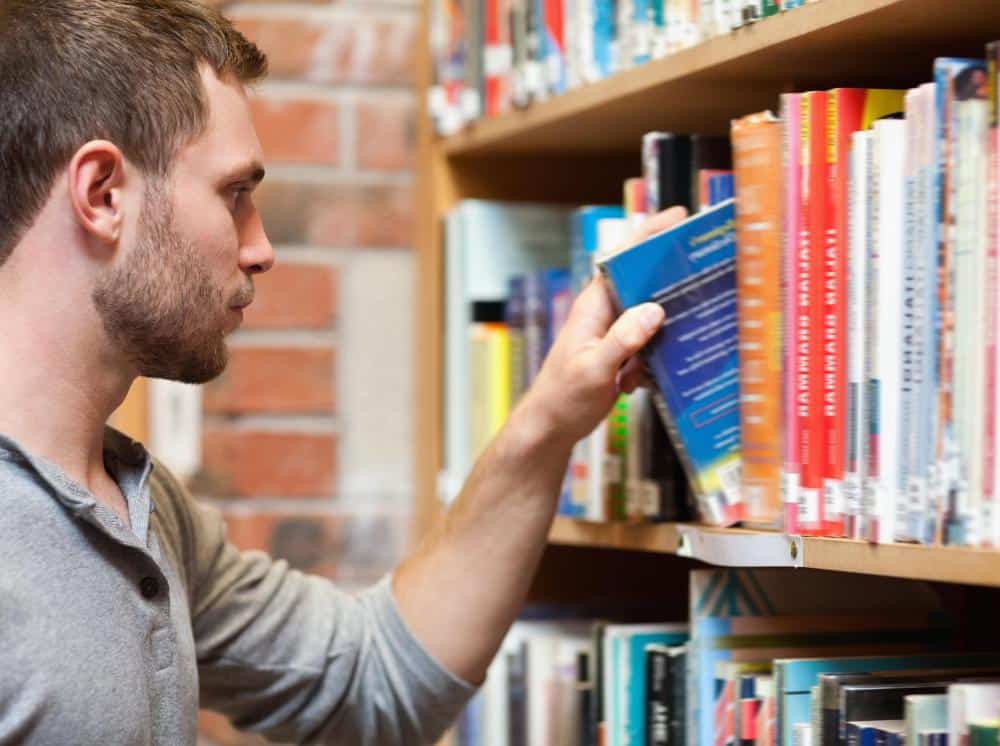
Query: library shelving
{"x": 578, "y": 147}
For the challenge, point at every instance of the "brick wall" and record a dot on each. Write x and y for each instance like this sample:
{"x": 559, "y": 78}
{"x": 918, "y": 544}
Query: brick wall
{"x": 308, "y": 435}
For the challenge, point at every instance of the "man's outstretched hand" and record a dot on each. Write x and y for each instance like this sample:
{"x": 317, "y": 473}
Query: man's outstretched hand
{"x": 593, "y": 358}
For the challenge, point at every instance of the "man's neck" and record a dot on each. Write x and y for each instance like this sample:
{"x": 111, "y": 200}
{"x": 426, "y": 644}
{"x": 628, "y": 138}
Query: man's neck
{"x": 59, "y": 387}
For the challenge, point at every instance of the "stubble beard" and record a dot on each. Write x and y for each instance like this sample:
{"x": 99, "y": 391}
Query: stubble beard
{"x": 160, "y": 307}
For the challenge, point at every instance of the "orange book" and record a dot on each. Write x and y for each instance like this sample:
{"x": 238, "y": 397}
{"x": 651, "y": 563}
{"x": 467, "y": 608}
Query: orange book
{"x": 757, "y": 158}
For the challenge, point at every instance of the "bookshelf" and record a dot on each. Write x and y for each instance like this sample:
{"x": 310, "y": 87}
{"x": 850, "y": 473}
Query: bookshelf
{"x": 578, "y": 148}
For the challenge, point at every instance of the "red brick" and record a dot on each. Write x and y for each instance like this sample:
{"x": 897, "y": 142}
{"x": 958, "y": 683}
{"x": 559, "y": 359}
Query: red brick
{"x": 385, "y": 133}
{"x": 294, "y": 296}
{"x": 297, "y": 130}
{"x": 342, "y": 48}
{"x": 246, "y": 463}
{"x": 337, "y": 215}
{"x": 285, "y": 381}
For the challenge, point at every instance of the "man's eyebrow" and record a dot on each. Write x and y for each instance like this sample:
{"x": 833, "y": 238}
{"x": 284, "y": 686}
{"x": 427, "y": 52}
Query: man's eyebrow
{"x": 250, "y": 172}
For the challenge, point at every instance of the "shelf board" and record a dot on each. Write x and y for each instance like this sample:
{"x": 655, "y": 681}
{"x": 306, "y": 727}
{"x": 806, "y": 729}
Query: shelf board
{"x": 830, "y": 43}
{"x": 941, "y": 564}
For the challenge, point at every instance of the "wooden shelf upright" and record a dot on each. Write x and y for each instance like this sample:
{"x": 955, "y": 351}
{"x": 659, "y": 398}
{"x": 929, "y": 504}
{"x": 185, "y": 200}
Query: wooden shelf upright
{"x": 578, "y": 147}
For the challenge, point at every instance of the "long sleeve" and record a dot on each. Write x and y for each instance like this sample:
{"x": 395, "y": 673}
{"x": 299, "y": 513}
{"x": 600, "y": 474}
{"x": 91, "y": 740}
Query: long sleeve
{"x": 293, "y": 657}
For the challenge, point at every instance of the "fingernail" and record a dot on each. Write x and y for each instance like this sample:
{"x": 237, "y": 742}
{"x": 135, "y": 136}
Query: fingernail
{"x": 651, "y": 315}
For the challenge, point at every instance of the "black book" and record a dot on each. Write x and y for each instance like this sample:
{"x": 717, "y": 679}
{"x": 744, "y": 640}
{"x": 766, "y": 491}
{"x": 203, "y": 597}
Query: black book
{"x": 516, "y": 699}
{"x": 667, "y": 170}
{"x": 678, "y": 695}
{"x": 659, "y": 697}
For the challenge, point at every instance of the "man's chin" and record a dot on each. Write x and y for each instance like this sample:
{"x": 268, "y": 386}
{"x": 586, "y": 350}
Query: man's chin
{"x": 193, "y": 370}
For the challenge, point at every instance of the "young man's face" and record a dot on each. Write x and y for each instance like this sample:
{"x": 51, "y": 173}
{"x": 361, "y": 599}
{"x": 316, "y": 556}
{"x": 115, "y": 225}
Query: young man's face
{"x": 181, "y": 288}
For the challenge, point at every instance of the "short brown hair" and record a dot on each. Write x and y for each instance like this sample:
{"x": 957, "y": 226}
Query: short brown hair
{"x": 127, "y": 71}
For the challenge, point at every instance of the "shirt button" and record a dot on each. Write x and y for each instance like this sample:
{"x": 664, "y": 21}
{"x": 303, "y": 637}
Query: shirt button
{"x": 149, "y": 587}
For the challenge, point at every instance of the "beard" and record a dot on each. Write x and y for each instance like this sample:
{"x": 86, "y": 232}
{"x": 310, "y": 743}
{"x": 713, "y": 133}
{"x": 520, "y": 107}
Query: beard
{"x": 160, "y": 306}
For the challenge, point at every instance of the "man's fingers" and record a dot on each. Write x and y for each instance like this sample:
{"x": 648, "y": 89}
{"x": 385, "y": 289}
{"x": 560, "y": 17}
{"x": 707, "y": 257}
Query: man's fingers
{"x": 627, "y": 336}
{"x": 631, "y": 375}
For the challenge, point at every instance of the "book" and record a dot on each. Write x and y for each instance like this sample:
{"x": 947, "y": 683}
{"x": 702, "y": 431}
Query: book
{"x": 886, "y": 266}
{"x": 489, "y": 367}
{"x": 666, "y": 159}
{"x": 953, "y": 78}
{"x": 809, "y": 312}
{"x": 990, "y": 515}
{"x": 858, "y": 322}
{"x": 969, "y": 703}
{"x": 792, "y": 169}
{"x": 690, "y": 271}
{"x": 664, "y": 679}
{"x": 757, "y": 158}
{"x": 924, "y": 712}
{"x": 874, "y": 732}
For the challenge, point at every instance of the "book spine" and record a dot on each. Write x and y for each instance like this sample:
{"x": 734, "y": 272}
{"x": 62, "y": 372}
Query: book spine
{"x": 889, "y": 145}
{"x": 970, "y": 261}
{"x": 810, "y": 308}
{"x": 920, "y": 486}
{"x": 910, "y": 388}
{"x": 991, "y": 459}
{"x": 555, "y": 46}
{"x": 840, "y": 124}
{"x": 658, "y": 697}
{"x": 871, "y": 424}
{"x": 855, "y": 474}
{"x": 756, "y": 159}
{"x": 792, "y": 154}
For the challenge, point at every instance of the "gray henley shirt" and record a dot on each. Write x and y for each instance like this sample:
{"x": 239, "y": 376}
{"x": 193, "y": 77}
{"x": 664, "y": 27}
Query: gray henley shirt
{"x": 117, "y": 635}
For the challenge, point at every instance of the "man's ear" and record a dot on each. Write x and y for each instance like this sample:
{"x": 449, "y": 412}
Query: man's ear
{"x": 96, "y": 179}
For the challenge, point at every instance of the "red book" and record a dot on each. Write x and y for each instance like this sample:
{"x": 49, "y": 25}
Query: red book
{"x": 810, "y": 314}
{"x": 498, "y": 56}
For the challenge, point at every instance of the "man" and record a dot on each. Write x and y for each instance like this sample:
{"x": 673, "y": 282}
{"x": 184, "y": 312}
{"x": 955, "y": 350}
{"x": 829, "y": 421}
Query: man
{"x": 128, "y": 244}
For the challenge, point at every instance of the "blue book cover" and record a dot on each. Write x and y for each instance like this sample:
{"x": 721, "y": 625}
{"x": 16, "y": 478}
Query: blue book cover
{"x": 690, "y": 270}
{"x": 604, "y": 37}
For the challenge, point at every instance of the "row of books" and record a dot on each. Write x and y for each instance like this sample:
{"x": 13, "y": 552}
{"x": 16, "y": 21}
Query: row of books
{"x": 766, "y": 657}
{"x": 493, "y": 55}
{"x": 829, "y": 361}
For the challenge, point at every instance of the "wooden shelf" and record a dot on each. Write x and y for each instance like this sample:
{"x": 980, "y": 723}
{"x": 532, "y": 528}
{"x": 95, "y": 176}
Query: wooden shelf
{"x": 831, "y": 43}
{"x": 941, "y": 564}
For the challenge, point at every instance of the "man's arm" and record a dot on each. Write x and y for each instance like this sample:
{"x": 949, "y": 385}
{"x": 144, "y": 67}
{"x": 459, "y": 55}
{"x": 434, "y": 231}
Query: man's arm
{"x": 462, "y": 589}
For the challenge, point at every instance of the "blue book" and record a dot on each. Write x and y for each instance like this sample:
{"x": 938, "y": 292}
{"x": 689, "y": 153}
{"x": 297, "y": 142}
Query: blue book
{"x": 690, "y": 270}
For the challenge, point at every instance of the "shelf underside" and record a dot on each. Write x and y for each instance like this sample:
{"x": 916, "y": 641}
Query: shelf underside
{"x": 942, "y": 564}
{"x": 834, "y": 42}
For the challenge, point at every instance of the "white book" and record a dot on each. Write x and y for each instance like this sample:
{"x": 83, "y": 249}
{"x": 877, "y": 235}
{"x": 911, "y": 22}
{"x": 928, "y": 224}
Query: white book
{"x": 923, "y": 512}
{"x": 857, "y": 267}
{"x": 970, "y": 270}
{"x": 887, "y": 256}
{"x": 971, "y": 703}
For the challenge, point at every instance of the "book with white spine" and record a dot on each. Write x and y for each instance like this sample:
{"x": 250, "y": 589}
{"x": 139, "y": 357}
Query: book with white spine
{"x": 970, "y": 270}
{"x": 857, "y": 433}
{"x": 887, "y": 269}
